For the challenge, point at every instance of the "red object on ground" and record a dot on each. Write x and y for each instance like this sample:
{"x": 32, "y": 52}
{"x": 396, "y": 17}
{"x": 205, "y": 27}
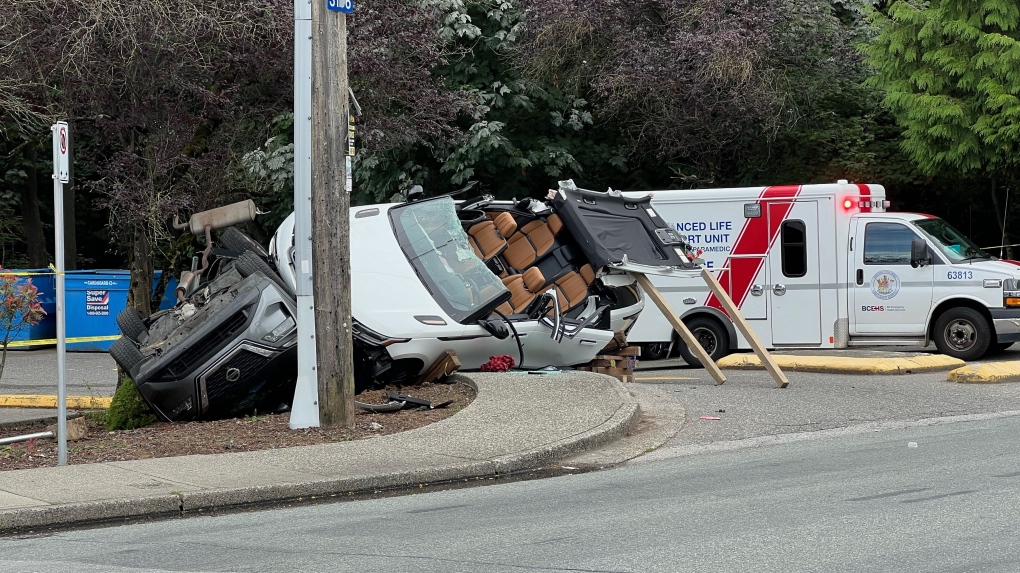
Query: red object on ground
{"x": 500, "y": 363}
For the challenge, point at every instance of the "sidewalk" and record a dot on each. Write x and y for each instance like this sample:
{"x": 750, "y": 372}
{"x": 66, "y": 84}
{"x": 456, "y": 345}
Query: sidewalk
{"x": 518, "y": 421}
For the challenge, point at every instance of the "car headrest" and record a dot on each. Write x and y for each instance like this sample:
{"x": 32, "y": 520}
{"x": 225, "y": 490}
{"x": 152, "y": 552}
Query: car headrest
{"x": 505, "y": 224}
{"x": 534, "y": 280}
{"x": 555, "y": 224}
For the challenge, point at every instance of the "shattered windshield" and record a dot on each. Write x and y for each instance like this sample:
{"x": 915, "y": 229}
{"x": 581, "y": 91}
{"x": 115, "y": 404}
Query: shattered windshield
{"x": 437, "y": 247}
{"x": 951, "y": 242}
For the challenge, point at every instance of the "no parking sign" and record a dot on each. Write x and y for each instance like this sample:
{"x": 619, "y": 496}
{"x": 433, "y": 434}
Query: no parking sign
{"x": 62, "y": 152}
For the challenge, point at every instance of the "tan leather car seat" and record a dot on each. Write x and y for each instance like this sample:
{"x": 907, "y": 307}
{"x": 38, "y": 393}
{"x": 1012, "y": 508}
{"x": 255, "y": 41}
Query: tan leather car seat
{"x": 572, "y": 288}
{"x": 523, "y": 289}
{"x": 532, "y": 241}
{"x": 488, "y": 238}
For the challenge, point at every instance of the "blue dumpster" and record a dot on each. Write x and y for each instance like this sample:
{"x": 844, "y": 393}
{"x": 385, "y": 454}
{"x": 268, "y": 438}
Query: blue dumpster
{"x": 93, "y": 299}
{"x": 168, "y": 300}
{"x": 46, "y": 329}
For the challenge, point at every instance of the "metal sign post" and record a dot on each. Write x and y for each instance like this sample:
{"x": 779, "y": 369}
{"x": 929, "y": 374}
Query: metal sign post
{"x": 61, "y": 175}
{"x": 305, "y": 409}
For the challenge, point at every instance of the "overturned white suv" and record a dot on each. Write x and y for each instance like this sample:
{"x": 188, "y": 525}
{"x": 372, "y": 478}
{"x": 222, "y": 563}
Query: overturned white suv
{"x": 546, "y": 282}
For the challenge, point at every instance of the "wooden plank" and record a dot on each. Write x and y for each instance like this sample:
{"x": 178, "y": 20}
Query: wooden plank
{"x": 681, "y": 329}
{"x": 745, "y": 329}
{"x": 446, "y": 364}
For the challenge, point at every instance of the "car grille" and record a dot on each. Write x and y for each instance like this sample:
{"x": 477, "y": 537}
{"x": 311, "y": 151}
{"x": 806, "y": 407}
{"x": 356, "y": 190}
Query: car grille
{"x": 234, "y": 374}
{"x": 193, "y": 357}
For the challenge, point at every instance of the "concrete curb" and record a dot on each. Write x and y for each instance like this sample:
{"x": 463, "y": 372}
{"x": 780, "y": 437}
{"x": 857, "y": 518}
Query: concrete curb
{"x": 38, "y": 517}
{"x": 175, "y": 504}
{"x": 845, "y": 364}
{"x": 991, "y": 373}
{"x": 47, "y": 401}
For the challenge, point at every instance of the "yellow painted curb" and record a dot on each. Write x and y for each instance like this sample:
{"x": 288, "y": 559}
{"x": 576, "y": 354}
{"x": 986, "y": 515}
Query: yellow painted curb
{"x": 987, "y": 373}
{"x": 43, "y": 401}
{"x": 844, "y": 364}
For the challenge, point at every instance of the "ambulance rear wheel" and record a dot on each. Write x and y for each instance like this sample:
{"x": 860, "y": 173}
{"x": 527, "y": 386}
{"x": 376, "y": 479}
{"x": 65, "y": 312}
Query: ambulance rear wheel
{"x": 711, "y": 335}
{"x": 962, "y": 333}
{"x": 654, "y": 350}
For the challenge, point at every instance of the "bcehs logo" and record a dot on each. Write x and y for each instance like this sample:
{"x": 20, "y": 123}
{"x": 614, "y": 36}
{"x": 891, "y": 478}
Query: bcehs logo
{"x": 866, "y": 308}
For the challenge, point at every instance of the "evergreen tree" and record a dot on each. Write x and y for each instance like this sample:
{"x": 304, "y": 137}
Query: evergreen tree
{"x": 950, "y": 70}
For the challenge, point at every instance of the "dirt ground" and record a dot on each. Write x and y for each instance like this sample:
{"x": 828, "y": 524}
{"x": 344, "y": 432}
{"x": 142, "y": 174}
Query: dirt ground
{"x": 261, "y": 432}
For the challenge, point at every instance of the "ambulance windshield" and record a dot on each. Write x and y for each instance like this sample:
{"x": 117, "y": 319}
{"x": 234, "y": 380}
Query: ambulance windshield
{"x": 951, "y": 242}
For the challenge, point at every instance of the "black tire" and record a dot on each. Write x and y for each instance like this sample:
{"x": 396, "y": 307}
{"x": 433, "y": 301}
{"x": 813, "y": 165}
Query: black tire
{"x": 654, "y": 350}
{"x": 713, "y": 337}
{"x": 132, "y": 326}
{"x": 962, "y": 333}
{"x": 235, "y": 240}
{"x": 248, "y": 263}
{"x": 125, "y": 353}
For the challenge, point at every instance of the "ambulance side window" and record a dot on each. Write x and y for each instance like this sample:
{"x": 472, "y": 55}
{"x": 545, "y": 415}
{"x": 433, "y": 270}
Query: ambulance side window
{"x": 794, "y": 244}
{"x": 887, "y": 244}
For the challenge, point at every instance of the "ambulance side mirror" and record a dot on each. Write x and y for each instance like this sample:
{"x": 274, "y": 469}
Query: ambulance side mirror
{"x": 919, "y": 256}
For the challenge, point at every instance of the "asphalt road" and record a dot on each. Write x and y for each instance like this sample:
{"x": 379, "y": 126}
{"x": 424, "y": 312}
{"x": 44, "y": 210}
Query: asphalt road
{"x": 931, "y": 498}
{"x": 750, "y": 406}
{"x": 35, "y": 372}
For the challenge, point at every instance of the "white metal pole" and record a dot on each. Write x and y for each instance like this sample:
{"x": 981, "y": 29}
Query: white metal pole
{"x": 60, "y": 150}
{"x": 305, "y": 409}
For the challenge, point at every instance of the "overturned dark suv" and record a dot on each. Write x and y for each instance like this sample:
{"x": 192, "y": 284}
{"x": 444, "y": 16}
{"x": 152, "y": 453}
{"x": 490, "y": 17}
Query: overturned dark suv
{"x": 229, "y": 346}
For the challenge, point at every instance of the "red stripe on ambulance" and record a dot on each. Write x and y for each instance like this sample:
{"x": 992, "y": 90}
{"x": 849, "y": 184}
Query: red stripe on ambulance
{"x": 865, "y": 195}
{"x": 756, "y": 238}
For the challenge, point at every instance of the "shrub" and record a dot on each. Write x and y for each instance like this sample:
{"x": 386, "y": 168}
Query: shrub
{"x": 127, "y": 409}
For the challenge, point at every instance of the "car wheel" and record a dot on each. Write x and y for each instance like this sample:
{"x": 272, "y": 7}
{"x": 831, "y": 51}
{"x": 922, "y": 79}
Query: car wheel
{"x": 235, "y": 240}
{"x": 131, "y": 325}
{"x": 654, "y": 350}
{"x": 711, "y": 335}
{"x": 249, "y": 263}
{"x": 962, "y": 333}
{"x": 125, "y": 354}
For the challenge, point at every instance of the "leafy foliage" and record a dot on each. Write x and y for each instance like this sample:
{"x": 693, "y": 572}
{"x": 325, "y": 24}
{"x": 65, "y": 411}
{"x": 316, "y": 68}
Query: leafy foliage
{"x": 950, "y": 72}
{"x": 19, "y": 309}
{"x": 127, "y": 410}
{"x": 683, "y": 80}
{"x": 514, "y": 135}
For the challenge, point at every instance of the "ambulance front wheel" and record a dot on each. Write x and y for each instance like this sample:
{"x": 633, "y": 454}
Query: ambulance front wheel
{"x": 962, "y": 333}
{"x": 711, "y": 335}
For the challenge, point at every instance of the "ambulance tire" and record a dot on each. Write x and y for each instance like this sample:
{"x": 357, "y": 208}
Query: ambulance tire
{"x": 962, "y": 333}
{"x": 654, "y": 350}
{"x": 713, "y": 338}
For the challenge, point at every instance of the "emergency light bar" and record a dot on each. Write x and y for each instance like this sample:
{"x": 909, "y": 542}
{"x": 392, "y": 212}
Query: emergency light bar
{"x": 874, "y": 204}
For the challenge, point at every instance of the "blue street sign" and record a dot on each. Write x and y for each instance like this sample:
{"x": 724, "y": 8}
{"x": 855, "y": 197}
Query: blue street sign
{"x": 345, "y": 6}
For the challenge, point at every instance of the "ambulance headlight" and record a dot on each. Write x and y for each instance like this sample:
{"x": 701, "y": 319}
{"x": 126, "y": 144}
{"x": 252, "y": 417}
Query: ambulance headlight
{"x": 1011, "y": 293}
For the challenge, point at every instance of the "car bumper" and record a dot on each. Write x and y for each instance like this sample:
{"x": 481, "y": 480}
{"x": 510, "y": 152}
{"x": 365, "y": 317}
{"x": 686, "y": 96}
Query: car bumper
{"x": 1006, "y": 322}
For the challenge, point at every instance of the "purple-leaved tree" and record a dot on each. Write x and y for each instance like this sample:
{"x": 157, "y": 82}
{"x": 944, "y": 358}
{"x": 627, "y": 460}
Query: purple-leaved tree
{"x": 19, "y": 309}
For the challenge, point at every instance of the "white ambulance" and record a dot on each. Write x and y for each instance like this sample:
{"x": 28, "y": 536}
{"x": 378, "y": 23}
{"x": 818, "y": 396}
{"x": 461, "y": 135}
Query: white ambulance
{"x": 827, "y": 266}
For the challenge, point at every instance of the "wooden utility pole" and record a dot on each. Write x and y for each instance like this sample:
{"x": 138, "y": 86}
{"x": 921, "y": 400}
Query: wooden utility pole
{"x": 331, "y": 268}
